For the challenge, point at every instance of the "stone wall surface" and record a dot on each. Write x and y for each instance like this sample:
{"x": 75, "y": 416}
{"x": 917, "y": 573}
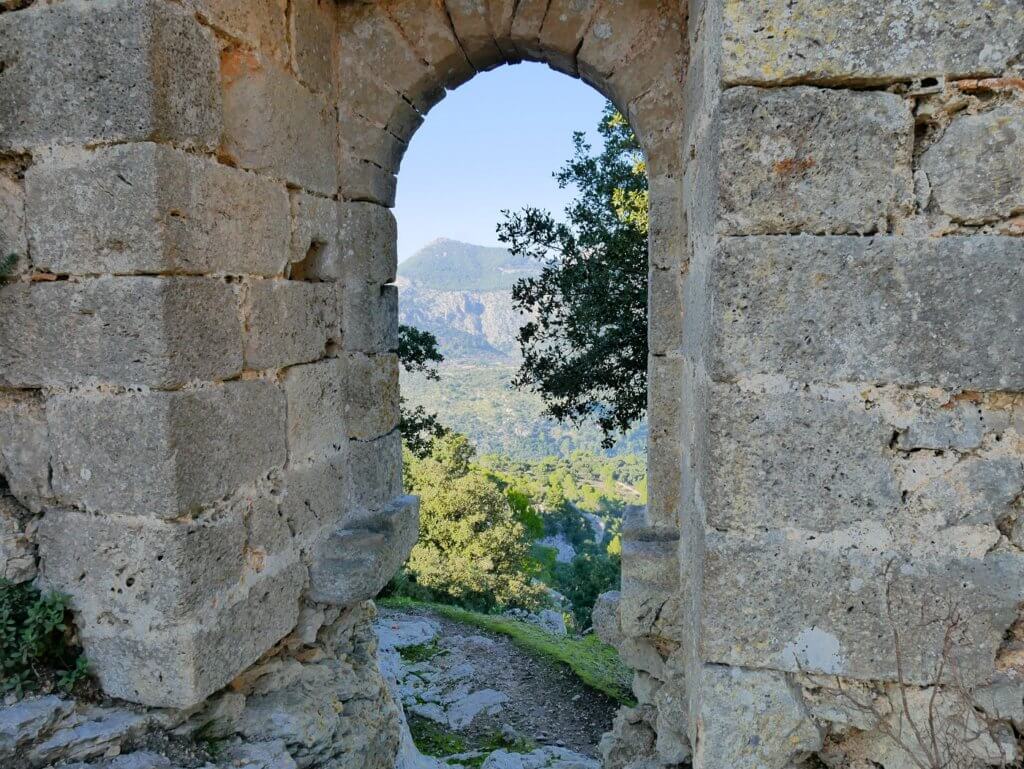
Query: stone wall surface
{"x": 198, "y": 378}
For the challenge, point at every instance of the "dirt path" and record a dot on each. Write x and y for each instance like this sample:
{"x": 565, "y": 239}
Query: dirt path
{"x": 463, "y": 668}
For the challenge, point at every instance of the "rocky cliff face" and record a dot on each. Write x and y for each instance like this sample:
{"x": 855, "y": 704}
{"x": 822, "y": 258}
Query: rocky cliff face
{"x": 479, "y": 325}
{"x": 462, "y": 293}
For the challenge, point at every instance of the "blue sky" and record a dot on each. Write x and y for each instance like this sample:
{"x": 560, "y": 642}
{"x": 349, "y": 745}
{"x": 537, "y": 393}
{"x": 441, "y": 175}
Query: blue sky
{"x": 489, "y": 145}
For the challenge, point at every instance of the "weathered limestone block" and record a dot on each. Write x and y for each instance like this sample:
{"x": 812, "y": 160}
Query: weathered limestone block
{"x": 500, "y": 15}
{"x": 139, "y": 570}
{"x": 666, "y": 376}
{"x": 260, "y": 23}
{"x": 17, "y": 542}
{"x": 974, "y": 491}
{"x": 164, "y": 454}
{"x": 370, "y": 315}
{"x": 813, "y": 160}
{"x": 315, "y": 396}
{"x": 288, "y": 322}
{"x": 25, "y": 448}
{"x": 161, "y": 332}
{"x": 267, "y": 530}
{"x": 665, "y": 301}
{"x": 622, "y": 34}
{"x": 858, "y": 42}
{"x": 472, "y": 21}
{"x": 946, "y": 311}
{"x": 364, "y": 94}
{"x": 353, "y": 563}
{"x": 13, "y": 239}
{"x": 974, "y": 170}
{"x": 314, "y": 251}
{"x": 375, "y": 477}
{"x": 796, "y": 460}
{"x": 314, "y": 495}
{"x": 312, "y": 27}
{"x": 773, "y": 600}
{"x": 427, "y": 26}
{"x": 373, "y": 42}
{"x": 370, "y": 394}
{"x": 367, "y": 243}
{"x": 361, "y": 180}
{"x": 526, "y": 26}
{"x": 178, "y": 665}
{"x": 51, "y": 93}
{"x": 750, "y": 719}
{"x": 562, "y": 33}
{"x": 149, "y": 208}
{"x": 649, "y": 603}
{"x": 362, "y": 140}
{"x": 275, "y": 126}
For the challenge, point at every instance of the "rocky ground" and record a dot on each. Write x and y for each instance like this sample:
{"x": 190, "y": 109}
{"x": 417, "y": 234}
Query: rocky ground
{"x": 476, "y": 699}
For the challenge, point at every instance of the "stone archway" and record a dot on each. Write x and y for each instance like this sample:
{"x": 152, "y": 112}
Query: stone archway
{"x": 198, "y": 390}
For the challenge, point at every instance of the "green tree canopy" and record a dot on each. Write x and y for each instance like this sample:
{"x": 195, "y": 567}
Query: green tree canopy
{"x": 472, "y": 550}
{"x": 585, "y": 351}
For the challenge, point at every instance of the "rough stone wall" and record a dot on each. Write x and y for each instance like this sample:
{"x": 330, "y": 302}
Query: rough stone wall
{"x": 852, "y": 359}
{"x": 198, "y": 378}
{"x": 198, "y": 386}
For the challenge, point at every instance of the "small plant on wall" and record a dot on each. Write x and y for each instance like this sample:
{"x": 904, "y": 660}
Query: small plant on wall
{"x": 37, "y": 645}
{"x": 7, "y": 264}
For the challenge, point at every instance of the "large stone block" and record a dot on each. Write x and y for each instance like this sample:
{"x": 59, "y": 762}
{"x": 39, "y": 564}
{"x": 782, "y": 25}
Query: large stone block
{"x": 314, "y": 252}
{"x": 139, "y": 570}
{"x": 289, "y": 322}
{"x": 858, "y": 42}
{"x": 376, "y": 472}
{"x": 354, "y": 562}
{"x": 261, "y": 23}
{"x": 622, "y": 32}
{"x": 364, "y": 140}
{"x": 164, "y": 454}
{"x": 428, "y": 27}
{"x": 370, "y": 394}
{"x": 179, "y": 665}
{"x": 25, "y": 448}
{"x": 831, "y": 603}
{"x": 152, "y": 209}
{"x": 373, "y": 42}
{"x": 160, "y": 332}
{"x": 473, "y": 22}
{"x": 367, "y": 243}
{"x": 946, "y": 311}
{"x": 314, "y": 495}
{"x": 313, "y": 36}
{"x": 813, "y": 160}
{"x": 370, "y": 315}
{"x": 316, "y": 403}
{"x": 274, "y": 125}
{"x": 563, "y": 29}
{"x": 974, "y": 170}
{"x": 111, "y": 70}
{"x": 750, "y": 719}
{"x": 796, "y": 460}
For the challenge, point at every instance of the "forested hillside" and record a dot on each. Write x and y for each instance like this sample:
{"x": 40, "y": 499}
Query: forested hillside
{"x": 461, "y": 293}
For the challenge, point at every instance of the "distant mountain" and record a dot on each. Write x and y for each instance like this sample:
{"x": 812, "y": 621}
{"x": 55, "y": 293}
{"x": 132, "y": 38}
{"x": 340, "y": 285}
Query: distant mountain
{"x": 450, "y": 265}
{"x": 462, "y": 294}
